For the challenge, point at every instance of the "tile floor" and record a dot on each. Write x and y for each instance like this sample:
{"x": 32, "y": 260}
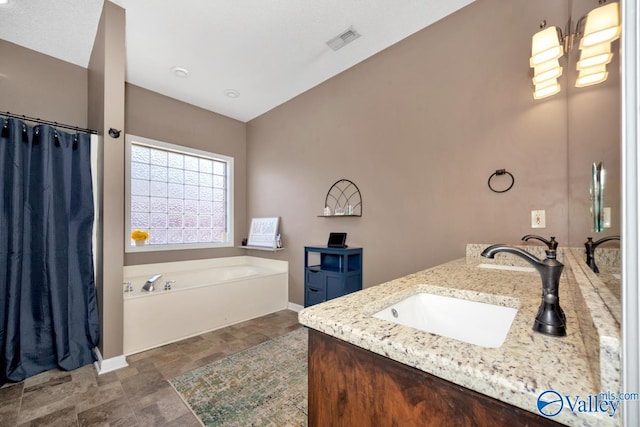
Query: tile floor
{"x": 138, "y": 395}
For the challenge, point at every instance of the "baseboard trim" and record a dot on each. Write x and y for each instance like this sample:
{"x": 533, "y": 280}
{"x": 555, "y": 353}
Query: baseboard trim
{"x": 107, "y": 365}
{"x": 294, "y": 307}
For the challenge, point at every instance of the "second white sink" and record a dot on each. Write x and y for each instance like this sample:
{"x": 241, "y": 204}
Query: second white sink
{"x": 474, "y": 322}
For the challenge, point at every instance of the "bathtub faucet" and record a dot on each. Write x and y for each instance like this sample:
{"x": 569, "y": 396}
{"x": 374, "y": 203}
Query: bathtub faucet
{"x": 151, "y": 282}
{"x": 550, "y": 319}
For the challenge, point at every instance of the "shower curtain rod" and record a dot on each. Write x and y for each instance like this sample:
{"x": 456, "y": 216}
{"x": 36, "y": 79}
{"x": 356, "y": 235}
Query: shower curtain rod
{"x": 48, "y": 122}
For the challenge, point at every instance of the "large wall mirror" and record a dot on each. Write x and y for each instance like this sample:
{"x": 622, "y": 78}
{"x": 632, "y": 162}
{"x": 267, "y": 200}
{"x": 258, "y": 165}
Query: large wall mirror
{"x": 594, "y": 135}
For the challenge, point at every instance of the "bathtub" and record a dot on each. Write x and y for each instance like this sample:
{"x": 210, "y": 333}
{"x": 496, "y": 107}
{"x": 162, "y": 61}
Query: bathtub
{"x": 205, "y": 295}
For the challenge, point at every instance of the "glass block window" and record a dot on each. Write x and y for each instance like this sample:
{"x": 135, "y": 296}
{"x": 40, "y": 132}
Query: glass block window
{"x": 179, "y": 196}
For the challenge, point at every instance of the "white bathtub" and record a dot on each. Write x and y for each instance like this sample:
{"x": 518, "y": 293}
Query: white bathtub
{"x": 207, "y": 295}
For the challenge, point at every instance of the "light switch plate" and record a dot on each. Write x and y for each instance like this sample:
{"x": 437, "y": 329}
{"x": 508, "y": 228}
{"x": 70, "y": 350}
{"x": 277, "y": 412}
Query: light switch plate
{"x": 606, "y": 221}
{"x": 537, "y": 219}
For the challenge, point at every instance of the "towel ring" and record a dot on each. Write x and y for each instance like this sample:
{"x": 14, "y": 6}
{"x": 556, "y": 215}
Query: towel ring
{"x": 498, "y": 173}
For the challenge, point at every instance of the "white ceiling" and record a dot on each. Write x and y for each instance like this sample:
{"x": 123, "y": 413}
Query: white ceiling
{"x": 267, "y": 50}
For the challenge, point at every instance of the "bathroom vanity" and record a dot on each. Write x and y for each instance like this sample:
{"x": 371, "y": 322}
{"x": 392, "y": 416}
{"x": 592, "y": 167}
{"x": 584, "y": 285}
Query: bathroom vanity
{"x": 344, "y": 380}
{"x": 368, "y": 371}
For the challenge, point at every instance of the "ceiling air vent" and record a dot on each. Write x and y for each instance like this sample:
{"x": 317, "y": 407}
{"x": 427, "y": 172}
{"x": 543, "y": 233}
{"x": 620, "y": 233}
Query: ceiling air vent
{"x": 343, "y": 39}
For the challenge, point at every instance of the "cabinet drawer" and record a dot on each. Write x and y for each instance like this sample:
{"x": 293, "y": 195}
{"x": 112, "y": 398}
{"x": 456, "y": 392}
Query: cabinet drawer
{"x": 314, "y": 296}
{"x": 315, "y": 277}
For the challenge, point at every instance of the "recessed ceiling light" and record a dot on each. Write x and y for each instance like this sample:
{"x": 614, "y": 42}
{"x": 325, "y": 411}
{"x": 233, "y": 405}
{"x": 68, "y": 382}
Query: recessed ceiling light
{"x": 178, "y": 71}
{"x": 232, "y": 93}
{"x": 4, "y": 1}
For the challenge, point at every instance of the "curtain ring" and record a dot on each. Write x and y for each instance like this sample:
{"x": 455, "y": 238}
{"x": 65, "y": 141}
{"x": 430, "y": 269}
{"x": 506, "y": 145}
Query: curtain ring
{"x": 25, "y": 135}
{"x": 498, "y": 173}
{"x": 5, "y": 129}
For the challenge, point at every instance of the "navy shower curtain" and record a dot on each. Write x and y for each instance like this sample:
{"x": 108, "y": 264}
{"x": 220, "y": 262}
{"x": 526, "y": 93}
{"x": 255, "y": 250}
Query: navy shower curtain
{"x": 48, "y": 309}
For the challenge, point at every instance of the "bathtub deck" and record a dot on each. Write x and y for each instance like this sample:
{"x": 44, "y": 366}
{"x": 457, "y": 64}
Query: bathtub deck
{"x": 203, "y": 298}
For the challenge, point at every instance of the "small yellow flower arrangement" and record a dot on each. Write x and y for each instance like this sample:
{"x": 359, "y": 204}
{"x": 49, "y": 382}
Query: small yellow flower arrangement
{"x": 140, "y": 236}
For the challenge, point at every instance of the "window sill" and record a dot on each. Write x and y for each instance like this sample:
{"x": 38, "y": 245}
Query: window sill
{"x": 160, "y": 248}
{"x": 260, "y": 248}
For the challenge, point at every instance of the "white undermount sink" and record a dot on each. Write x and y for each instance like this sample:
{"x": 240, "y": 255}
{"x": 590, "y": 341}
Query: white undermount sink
{"x": 474, "y": 322}
{"x": 507, "y": 267}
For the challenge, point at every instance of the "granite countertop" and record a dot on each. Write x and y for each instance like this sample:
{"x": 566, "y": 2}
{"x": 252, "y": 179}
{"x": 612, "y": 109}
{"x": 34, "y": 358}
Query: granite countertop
{"x": 611, "y": 279}
{"x": 527, "y": 364}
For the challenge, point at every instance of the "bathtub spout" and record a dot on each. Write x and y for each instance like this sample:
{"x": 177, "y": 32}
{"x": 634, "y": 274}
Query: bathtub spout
{"x": 149, "y": 286}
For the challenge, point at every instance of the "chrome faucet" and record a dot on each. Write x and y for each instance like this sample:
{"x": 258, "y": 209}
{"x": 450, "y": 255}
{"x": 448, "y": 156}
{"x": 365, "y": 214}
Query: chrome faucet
{"x": 550, "y": 319}
{"x": 150, "y": 284}
{"x": 591, "y": 246}
{"x": 552, "y": 244}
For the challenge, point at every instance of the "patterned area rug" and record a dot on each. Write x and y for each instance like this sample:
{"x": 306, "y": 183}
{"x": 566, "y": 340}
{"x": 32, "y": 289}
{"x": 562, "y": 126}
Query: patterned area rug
{"x": 265, "y": 385}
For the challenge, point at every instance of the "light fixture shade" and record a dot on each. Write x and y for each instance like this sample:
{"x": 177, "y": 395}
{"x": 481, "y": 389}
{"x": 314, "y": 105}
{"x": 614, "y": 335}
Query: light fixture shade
{"x": 592, "y": 76}
{"x": 547, "y": 88}
{"x": 545, "y": 46}
{"x": 602, "y": 25}
{"x": 599, "y": 54}
{"x": 546, "y": 71}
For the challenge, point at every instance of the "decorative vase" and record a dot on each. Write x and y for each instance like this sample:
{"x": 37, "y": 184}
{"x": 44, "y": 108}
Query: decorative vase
{"x": 140, "y": 242}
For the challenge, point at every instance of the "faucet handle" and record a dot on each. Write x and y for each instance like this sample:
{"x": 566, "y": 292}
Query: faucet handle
{"x": 551, "y": 243}
{"x": 167, "y": 284}
{"x": 127, "y": 286}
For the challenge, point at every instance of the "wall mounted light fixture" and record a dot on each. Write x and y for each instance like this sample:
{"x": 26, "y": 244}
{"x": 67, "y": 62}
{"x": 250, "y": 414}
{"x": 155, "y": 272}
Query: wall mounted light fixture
{"x": 546, "y": 48}
{"x": 596, "y": 30}
{"x": 602, "y": 25}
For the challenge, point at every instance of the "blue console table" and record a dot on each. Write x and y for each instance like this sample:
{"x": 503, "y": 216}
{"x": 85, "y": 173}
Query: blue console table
{"x": 338, "y": 273}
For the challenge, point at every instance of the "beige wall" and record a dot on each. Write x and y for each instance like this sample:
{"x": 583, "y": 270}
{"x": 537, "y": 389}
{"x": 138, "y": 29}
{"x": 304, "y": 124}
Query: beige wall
{"x": 37, "y": 85}
{"x": 155, "y": 116}
{"x": 106, "y": 110}
{"x": 34, "y": 84}
{"x": 419, "y": 128}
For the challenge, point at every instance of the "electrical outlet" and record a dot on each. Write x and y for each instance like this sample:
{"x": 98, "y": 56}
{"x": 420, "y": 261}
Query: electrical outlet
{"x": 537, "y": 219}
{"x": 606, "y": 221}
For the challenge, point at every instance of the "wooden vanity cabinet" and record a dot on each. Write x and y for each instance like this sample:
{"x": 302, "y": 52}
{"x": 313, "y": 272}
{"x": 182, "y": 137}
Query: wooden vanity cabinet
{"x": 350, "y": 386}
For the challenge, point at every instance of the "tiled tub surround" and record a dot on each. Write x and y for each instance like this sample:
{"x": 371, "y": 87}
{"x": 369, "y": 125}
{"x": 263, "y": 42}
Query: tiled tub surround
{"x": 527, "y": 364}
